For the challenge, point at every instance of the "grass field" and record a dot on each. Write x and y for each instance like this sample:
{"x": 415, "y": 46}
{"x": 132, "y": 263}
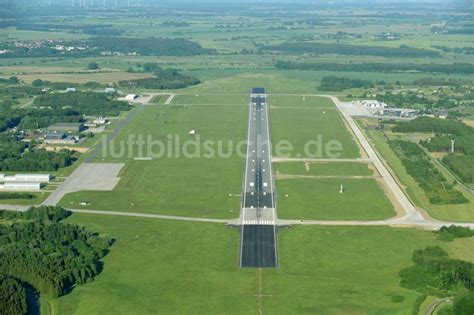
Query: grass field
{"x": 178, "y": 267}
{"x": 38, "y": 198}
{"x": 209, "y": 99}
{"x": 198, "y": 186}
{"x": 323, "y": 169}
{"x": 320, "y": 199}
{"x": 312, "y": 132}
{"x": 455, "y": 213}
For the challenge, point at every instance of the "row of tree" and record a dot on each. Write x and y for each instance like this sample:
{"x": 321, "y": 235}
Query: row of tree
{"x": 419, "y": 166}
{"x": 455, "y": 68}
{"x": 333, "y": 83}
{"x": 461, "y": 162}
{"x": 347, "y": 49}
{"x": 163, "y": 78}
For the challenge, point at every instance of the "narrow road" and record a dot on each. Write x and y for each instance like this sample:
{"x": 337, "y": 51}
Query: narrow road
{"x": 433, "y": 306}
{"x": 410, "y": 211}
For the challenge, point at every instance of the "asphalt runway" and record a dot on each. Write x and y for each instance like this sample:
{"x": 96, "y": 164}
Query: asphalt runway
{"x": 258, "y": 245}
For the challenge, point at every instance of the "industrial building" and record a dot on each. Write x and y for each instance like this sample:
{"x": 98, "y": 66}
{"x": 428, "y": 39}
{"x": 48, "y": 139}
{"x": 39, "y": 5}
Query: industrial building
{"x": 67, "y": 127}
{"x": 40, "y": 178}
{"x": 400, "y": 112}
{"x": 21, "y": 186}
{"x": 59, "y": 138}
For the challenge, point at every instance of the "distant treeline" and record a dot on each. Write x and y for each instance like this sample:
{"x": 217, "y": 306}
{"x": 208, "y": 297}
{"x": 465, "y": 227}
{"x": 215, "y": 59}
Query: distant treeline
{"x": 150, "y": 46}
{"x": 419, "y": 166}
{"x": 162, "y": 79}
{"x": 91, "y": 29}
{"x": 352, "y": 50}
{"x": 332, "y": 83}
{"x": 39, "y": 250}
{"x": 97, "y": 46}
{"x": 455, "y": 68}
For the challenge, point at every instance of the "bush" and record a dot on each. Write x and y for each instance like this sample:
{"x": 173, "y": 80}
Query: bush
{"x": 448, "y": 234}
{"x": 93, "y": 66}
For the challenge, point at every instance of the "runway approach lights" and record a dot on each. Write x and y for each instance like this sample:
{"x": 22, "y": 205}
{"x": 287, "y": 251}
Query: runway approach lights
{"x": 341, "y": 189}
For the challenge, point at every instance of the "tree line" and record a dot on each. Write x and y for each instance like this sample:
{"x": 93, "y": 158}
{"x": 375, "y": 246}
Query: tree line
{"x": 38, "y": 249}
{"x": 418, "y": 165}
{"x": 455, "y": 68}
{"x": 333, "y": 83}
{"x": 461, "y": 162}
{"x": 163, "y": 78}
{"x": 353, "y": 50}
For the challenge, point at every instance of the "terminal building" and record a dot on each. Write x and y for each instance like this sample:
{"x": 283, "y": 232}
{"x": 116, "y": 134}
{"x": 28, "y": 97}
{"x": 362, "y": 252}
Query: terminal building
{"x": 400, "y": 112}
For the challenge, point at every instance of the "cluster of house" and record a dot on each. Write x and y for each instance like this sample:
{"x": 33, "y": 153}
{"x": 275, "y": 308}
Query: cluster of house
{"x": 24, "y": 182}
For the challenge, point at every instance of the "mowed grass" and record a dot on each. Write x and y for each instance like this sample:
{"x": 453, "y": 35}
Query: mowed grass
{"x": 210, "y": 99}
{"x": 324, "y": 169}
{"x": 300, "y": 101}
{"x": 316, "y": 132}
{"x": 165, "y": 267}
{"x": 320, "y": 199}
{"x": 199, "y": 184}
{"x": 170, "y": 267}
{"x": 38, "y": 197}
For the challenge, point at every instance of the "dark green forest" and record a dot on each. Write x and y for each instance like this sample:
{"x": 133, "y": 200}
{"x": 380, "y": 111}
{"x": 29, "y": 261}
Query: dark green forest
{"x": 38, "y": 249}
{"x": 353, "y": 50}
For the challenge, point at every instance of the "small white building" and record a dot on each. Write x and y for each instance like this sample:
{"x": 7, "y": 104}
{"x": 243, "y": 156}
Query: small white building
{"x": 29, "y": 178}
{"x": 100, "y": 121}
{"x": 71, "y": 89}
{"x": 131, "y": 97}
{"x": 21, "y": 186}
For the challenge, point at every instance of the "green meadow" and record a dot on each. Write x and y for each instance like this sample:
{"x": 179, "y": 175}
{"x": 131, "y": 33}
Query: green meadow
{"x": 159, "y": 266}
